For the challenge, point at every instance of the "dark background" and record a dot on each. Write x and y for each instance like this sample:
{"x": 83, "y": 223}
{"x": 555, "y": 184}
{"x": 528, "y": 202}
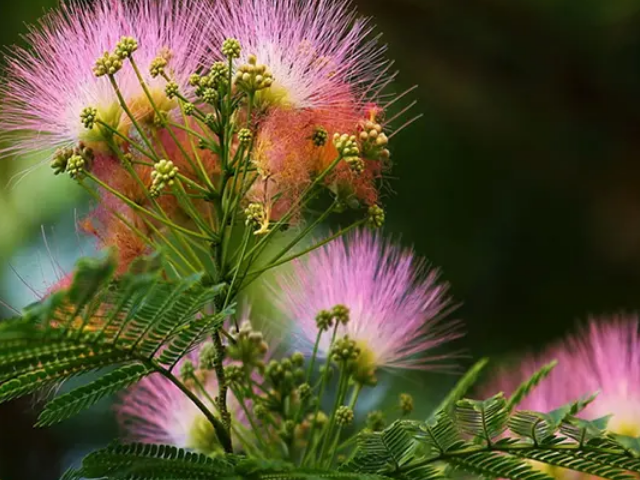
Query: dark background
{"x": 520, "y": 182}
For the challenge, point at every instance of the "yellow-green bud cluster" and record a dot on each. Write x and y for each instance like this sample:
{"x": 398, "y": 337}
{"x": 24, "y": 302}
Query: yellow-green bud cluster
{"x": 344, "y": 350}
{"x": 207, "y": 356}
{"x": 72, "y": 160}
{"x": 406, "y": 403}
{"x": 187, "y": 370}
{"x": 304, "y": 391}
{"x": 158, "y": 65}
{"x": 284, "y": 375}
{"x": 233, "y": 374}
{"x": 75, "y": 166}
{"x": 163, "y": 175}
{"x": 256, "y": 218}
{"x": 107, "y": 64}
{"x": 260, "y": 411}
{"x": 320, "y": 137}
{"x": 125, "y": 47}
{"x": 249, "y": 346}
{"x": 340, "y": 313}
{"x": 189, "y": 109}
{"x": 376, "y": 421}
{"x": 319, "y": 420}
{"x": 324, "y": 320}
{"x": 347, "y": 146}
{"x": 210, "y": 95}
{"x": 160, "y": 119}
{"x": 88, "y": 116}
{"x": 374, "y": 141}
{"x": 172, "y": 89}
{"x": 252, "y": 77}
{"x": 344, "y": 416}
{"x": 245, "y": 136}
{"x": 375, "y": 217}
{"x": 231, "y": 48}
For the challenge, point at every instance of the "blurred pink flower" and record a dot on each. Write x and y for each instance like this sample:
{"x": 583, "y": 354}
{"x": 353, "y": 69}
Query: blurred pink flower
{"x": 51, "y": 81}
{"x": 604, "y": 357}
{"x": 396, "y": 303}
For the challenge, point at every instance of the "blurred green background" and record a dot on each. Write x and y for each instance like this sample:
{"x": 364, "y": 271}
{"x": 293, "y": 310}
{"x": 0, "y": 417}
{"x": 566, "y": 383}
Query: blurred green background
{"x": 520, "y": 182}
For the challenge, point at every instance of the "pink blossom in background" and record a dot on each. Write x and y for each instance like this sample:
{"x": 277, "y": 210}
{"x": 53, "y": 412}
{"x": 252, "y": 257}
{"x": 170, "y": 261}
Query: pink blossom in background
{"x": 603, "y": 356}
{"x": 396, "y": 303}
{"x": 51, "y": 81}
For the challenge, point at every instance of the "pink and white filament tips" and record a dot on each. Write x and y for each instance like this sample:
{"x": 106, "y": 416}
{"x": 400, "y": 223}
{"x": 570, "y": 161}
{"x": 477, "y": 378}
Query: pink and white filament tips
{"x": 603, "y": 357}
{"x": 319, "y": 52}
{"x": 396, "y": 304}
{"x": 50, "y": 82}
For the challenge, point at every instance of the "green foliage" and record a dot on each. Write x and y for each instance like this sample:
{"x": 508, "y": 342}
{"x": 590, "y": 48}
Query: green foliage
{"x": 164, "y": 462}
{"x": 485, "y": 419}
{"x": 531, "y": 383}
{"x": 463, "y": 385}
{"x": 140, "y": 322}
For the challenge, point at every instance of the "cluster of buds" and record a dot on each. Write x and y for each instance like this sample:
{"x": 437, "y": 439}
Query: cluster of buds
{"x": 286, "y": 375}
{"x": 320, "y": 137}
{"x": 171, "y": 90}
{"x": 163, "y": 175}
{"x": 325, "y": 318}
{"x": 257, "y": 218}
{"x": 252, "y": 77}
{"x": 347, "y": 146}
{"x": 158, "y": 66}
{"x": 376, "y": 217}
{"x": 245, "y": 136}
{"x": 88, "y": 117}
{"x": 74, "y": 161}
{"x": 376, "y": 421}
{"x": 231, "y": 48}
{"x": 374, "y": 142}
{"x": 249, "y": 346}
{"x": 110, "y": 63}
{"x": 406, "y": 403}
{"x": 345, "y": 350}
{"x": 208, "y": 86}
{"x": 344, "y": 416}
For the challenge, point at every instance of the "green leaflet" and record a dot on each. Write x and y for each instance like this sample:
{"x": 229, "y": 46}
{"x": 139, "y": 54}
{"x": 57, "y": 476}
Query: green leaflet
{"x": 528, "y": 385}
{"x": 163, "y": 462}
{"x": 140, "y": 322}
{"x": 463, "y": 386}
{"x": 72, "y": 403}
{"x": 485, "y": 419}
{"x": 497, "y": 465}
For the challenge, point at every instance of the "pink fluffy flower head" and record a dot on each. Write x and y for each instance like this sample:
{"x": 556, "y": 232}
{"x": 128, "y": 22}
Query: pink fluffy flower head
{"x": 396, "y": 304}
{"x": 318, "y": 51}
{"x": 156, "y": 411}
{"x": 603, "y": 357}
{"x": 49, "y": 83}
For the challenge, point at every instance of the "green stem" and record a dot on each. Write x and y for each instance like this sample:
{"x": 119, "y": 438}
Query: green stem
{"x": 343, "y": 386}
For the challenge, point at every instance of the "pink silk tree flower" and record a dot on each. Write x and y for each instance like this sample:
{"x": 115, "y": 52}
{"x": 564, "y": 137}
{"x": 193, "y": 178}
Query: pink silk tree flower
{"x": 602, "y": 357}
{"x": 155, "y": 411}
{"x": 396, "y": 304}
{"x": 319, "y": 52}
{"x": 50, "y": 82}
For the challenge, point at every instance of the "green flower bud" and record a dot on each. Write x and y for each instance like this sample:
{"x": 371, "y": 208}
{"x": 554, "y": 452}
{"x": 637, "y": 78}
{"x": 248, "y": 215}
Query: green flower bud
{"x": 233, "y": 374}
{"x": 75, "y": 166}
{"x": 245, "y": 136}
{"x": 231, "y": 48}
{"x": 157, "y": 66}
{"x": 163, "y": 175}
{"x": 189, "y": 109}
{"x": 304, "y": 391}
{"x": 341, "y": 314}
{"x": 207, "y": 356}
{"x": 218, "y": 75}
{"x": 297, "y": 358}
{"x": 344, "y": 350}
{"x": 376, "y": 216}
{"x": 172, "y": 90}
{"x": 88, "y": 116}
{"x": 320, "y": 420}
{"x": 125, "y": 47}
{"x": 376, "y": 421}
{"x": 344, "y": 415}
{"x": 320, "y": 137}
{"x": 406, "y": 403}
{"x": 324, "y": 320}
{"x": 107, "y": 64}
{"x": 194, "y": 80}
{"x": 252, "y": 77}
{"x": 187, "y": 370}
{"x": 260, "y": 411}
